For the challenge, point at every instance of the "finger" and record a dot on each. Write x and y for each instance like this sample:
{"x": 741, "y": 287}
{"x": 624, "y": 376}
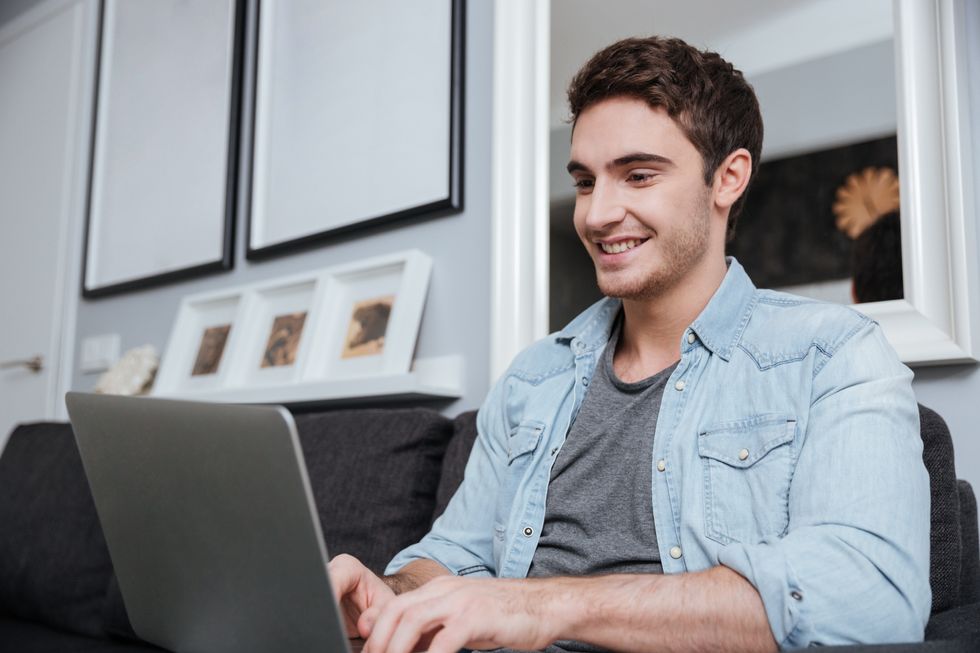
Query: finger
{"x": 365, "y": 623}
{"x": 351, "y": 615}
{"x": 343, "y": 576}
{"x": 415, "y": 625}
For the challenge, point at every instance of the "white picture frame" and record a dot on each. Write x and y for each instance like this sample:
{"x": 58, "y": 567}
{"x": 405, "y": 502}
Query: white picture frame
{"x": 289, "y": 339}
{"x": 200, "y": 350}
{"x": 388, "y": 289}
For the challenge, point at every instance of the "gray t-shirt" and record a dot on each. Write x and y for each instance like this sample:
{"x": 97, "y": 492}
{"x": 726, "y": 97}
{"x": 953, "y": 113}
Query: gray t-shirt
{"x": 599, "y": 513}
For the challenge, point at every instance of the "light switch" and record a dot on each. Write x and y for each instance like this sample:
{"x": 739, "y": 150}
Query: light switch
{"x": 99, "y": 353}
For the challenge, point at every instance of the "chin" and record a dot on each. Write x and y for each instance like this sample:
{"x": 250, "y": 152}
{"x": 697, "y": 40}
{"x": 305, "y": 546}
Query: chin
{"x": 633, "y": 289}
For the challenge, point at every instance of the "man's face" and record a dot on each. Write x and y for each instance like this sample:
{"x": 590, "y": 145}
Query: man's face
{"x": 642, "y": 208}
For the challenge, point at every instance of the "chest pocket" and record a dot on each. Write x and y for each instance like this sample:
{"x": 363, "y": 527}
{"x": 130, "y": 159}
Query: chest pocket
{"x": 747, "y": 466}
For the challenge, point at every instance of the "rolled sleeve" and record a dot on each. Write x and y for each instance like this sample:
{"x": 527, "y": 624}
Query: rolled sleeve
{"x": 854, "y": 564}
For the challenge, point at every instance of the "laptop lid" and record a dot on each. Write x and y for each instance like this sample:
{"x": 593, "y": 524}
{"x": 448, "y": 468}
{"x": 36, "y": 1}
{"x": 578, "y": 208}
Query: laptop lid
{"x": 210, "y": 523}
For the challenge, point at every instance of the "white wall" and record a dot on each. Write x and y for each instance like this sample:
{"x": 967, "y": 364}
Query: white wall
{"x": 456, "y": 316}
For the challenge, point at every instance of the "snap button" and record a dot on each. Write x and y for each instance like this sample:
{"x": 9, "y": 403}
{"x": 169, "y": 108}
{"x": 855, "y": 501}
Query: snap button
{"x": 661, "y": 465}
{"x": 796, "y": 595}
{"x": 675, "y": 552}
{"x": 743, "y": 454}
{"x": 528, "y": 531}
{"x": 691, "y": 338}
{"x": 585, "y": 380}
{"x": 680, "y": 385}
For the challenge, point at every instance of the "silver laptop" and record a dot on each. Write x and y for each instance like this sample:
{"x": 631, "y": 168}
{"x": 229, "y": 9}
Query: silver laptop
{"x": 210, "y": 523}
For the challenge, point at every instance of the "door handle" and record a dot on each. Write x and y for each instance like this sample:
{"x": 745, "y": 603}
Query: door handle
{"x": 35, "y": 364}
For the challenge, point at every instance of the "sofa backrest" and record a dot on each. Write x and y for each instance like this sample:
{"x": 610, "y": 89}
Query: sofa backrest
{"x": 945, "y": 536}
{"x": 970, "y": 564}
{"x": 374, "y": 475}
{"x": 54, "y": 564}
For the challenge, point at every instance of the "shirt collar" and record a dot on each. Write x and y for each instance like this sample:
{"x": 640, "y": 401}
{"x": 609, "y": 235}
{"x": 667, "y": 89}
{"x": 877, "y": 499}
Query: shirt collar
{"x": 719, "y": 326}
{"x": 721, "y": 323}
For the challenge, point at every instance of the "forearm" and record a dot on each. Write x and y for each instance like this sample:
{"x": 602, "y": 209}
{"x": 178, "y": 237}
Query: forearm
{"x": 415, "y": 574}
{"x": 713, "y": 610}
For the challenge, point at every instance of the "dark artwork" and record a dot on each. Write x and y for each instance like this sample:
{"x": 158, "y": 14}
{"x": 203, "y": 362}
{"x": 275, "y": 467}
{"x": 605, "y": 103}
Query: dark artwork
{"x": 367, "y": 328}
{"x": 284, "y": 340}
{"x": 209, "y": 352}
{"x": 787, "y": 233}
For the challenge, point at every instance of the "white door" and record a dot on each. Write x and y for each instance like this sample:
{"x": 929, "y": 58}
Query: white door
{"x": 47, "y": 78}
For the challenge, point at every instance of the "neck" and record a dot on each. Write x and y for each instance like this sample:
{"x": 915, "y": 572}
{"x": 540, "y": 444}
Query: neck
{"x": 652, "y": 327}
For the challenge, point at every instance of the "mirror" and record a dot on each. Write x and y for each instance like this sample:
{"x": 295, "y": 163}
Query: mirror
{"x": 854, "y": 96}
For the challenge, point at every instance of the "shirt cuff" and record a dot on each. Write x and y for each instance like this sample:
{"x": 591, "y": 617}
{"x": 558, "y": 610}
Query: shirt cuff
{"x": 768, "y": 570}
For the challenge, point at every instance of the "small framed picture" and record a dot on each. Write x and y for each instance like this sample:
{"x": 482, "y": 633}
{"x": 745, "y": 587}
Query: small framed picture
{"x": 375, "y": 313}
{"x": 198, "y": 355}
{"x": 302, "y": 338}
{"x": 280, "y": 326}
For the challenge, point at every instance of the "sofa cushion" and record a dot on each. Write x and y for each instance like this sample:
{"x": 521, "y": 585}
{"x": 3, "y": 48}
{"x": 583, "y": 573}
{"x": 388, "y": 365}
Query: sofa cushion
{"x": 970, "y": 565}
{"x": 27, "y": 637}
{"x": 54, "y": 564}
{"x": 454, "y": 463}
{"x": 374, "y": 475}
{"x": 945, "y": 548}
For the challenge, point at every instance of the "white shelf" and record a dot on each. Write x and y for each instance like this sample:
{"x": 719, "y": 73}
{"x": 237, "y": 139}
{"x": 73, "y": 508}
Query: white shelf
{"x": 431, "y": 378}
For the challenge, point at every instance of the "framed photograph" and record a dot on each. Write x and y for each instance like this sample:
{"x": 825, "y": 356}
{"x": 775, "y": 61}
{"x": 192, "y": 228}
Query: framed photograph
{"x": 310, "y": 337}
{"x": 373, "y": 321}
{"x": 165, "y": 150}
{"x": 280, "y": 325}
{"x": 199, "y": 354}
{"x": 342, "y": 141}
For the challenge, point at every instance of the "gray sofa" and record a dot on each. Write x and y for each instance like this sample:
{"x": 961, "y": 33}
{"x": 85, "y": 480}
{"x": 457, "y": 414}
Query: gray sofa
{"x": 58, "y": 592}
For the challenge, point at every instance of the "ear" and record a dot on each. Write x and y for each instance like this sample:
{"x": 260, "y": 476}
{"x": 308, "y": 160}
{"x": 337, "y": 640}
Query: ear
{"x": 732, "y": 178}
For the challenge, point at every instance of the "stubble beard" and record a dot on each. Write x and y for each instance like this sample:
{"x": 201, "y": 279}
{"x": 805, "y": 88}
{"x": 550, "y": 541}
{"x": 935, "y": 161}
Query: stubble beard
{"x": 679, "y": 252}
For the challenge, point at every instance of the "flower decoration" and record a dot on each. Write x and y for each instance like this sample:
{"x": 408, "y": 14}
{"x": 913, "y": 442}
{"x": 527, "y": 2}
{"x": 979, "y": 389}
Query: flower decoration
{"x": 864, "y": 197}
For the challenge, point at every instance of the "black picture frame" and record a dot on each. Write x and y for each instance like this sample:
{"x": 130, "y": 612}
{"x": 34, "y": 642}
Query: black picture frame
{"x": 451, "y": 203}
{"x": 223, "y": 259}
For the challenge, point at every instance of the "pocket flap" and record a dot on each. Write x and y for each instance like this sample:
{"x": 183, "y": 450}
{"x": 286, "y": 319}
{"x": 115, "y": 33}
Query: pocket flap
{"x": 742, "y": 443}
{"x": 524, "y": 439}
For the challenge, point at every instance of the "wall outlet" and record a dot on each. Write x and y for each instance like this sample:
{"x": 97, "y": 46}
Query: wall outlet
{"x": 99, "y": 353}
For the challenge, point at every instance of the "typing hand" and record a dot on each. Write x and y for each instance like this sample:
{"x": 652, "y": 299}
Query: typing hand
{"x": 450, "y": 613}
{"x": 356, "y": 589}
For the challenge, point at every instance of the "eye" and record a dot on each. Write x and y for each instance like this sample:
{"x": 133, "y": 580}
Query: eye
{"x": 584, "y": 184}
{"x": 639, "y": 177}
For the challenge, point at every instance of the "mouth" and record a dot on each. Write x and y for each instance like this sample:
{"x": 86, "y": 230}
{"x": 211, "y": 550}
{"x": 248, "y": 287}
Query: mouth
{"x": 620, "y": 246}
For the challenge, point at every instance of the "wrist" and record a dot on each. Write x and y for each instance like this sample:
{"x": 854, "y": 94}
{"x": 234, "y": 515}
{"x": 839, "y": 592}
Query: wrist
{"x": 562, "y": 604}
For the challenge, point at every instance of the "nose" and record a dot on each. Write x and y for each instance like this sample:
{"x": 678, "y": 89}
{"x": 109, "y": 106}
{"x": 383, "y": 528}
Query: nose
{"x": 604, "y": 207}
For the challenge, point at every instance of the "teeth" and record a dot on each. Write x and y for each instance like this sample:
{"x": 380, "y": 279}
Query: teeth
{"x": 622, "y": 246}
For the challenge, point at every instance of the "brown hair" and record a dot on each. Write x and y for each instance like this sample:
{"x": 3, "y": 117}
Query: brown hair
{"x": 705, "y": 95}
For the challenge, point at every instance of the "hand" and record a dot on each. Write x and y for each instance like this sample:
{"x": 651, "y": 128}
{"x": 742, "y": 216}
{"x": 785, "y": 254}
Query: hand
{"x": 449, "y": 613}
{"x": 356, "y": 589}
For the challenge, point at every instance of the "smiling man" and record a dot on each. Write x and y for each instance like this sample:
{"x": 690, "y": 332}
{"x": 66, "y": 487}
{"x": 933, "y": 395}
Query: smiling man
{"x": 692, "y": 463}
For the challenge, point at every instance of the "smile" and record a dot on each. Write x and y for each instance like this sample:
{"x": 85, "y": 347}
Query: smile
{"x": 621, "y": 246}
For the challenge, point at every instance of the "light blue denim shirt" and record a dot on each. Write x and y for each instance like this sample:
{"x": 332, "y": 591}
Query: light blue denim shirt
{"x": 787, "y": 448}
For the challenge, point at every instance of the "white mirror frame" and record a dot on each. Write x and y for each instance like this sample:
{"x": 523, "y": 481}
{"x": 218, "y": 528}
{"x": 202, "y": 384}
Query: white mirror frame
{"x": 937, "y": 321}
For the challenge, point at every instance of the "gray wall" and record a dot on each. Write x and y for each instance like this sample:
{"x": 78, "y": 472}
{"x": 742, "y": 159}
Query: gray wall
{"x": 456, "y": 318}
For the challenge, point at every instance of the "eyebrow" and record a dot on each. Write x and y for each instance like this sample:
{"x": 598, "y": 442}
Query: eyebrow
{"x": 633, "y": 157}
